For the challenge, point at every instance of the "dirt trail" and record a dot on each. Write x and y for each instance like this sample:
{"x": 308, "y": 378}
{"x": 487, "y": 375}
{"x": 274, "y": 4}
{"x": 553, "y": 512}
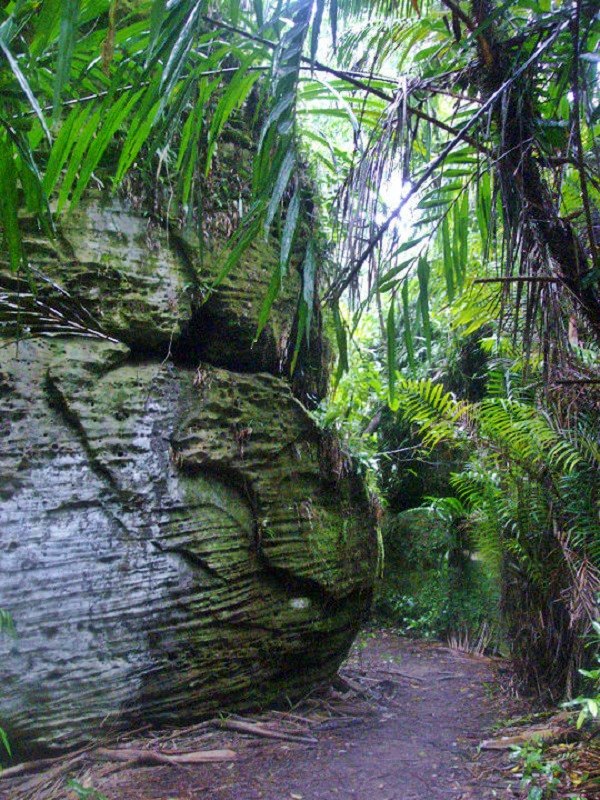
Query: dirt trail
{"x": 414, "y": 736}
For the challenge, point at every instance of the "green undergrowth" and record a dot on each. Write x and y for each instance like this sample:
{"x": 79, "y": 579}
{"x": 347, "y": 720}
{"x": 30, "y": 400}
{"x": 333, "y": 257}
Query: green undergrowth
{"x": 433, "y": 586}
{"x": 558, "y": 772}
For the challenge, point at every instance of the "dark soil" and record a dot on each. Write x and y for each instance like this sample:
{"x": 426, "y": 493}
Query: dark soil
{"x": 409, "y": 729}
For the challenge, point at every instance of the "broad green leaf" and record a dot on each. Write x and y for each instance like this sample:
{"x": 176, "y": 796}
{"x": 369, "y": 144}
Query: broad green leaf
{"x": 306, "y": 302}
{"x": 408, "y": 245}
{"x": 456, "y": 242}
{"x": 259, "y": 12}
{"x": 276, "y": 113}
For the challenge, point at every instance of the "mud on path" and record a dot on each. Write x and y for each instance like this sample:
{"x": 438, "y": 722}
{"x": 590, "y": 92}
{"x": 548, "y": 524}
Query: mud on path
{"x": 403, "y": 723}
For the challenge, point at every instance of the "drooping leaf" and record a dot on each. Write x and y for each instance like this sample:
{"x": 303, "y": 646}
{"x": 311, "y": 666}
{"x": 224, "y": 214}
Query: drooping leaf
{"x": 391, "y": 355}
{"x": 63, "y": 145}
{"x": 447, "y": 259}
{"x": 232, "y": 98}
{"x": 9, "y": 204}
{"x": 24, "y": 84}
{"x": 483, "y": 209}
{"x": 4, "y": 741}
{"x": 305, "y": 306}
{"x": 157, "y": 16}
{"x": 272, "y": 293}
{"x": 118, "y": 113}
{"x": 181, "y": 46}
{"x": 244, "y": 237}
{"x": 66, "y": 42}
{"x": 283, "y": 178}
{"x": 390, "y": 279}
{"x": 316, "y": 28}
{"x": 342, "y": 343}
{"x": 82, "y": 141}
{"x": 259, "y": 12}
{"x": 333, "y": 19}
{"x": 47, "y": 22}
{"x": 309, "y": 276}
{"x": 464, "y": 238}
{"x": 423, "y": 271}
{"x": 138, "y": 134}
{"x": 289, "y": 230}
{"x": 407, "y": 327}
{"x": 301, "y": 328}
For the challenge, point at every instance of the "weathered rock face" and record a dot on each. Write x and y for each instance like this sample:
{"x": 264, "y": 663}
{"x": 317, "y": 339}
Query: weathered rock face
{"x": 172, "y": 539}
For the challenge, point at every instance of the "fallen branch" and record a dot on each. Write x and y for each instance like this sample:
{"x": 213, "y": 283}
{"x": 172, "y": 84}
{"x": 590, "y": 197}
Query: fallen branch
{"x": 41, "y": 764}
{"x": 399, "y": 674}
{"x": 178, "y": 733}
{"x": 257, "y": 730}
{"x": 153, "y": 758}
{"x": 339, "y": 722}
{"x": 347, "y": 684}
{"x": 294, "y": 718}
{"x": 551, "y": 734}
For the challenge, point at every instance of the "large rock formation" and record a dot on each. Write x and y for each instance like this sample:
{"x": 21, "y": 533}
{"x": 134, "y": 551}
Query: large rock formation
{"x": 176, "y": 535}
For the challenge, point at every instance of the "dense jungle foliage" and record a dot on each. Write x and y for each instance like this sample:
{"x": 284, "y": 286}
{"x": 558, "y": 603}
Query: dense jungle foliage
{"x": 441, "y": 160}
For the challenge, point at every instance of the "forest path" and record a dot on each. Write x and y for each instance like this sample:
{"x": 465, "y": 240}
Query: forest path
{"x": 414, "y": 737}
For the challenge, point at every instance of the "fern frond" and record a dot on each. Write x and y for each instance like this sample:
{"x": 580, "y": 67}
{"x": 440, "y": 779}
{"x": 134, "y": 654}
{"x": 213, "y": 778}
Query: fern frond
{"x": 436, "y": 412}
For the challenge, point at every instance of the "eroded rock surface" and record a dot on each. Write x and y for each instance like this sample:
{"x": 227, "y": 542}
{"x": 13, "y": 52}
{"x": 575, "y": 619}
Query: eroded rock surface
{"x": 174, "y": 538}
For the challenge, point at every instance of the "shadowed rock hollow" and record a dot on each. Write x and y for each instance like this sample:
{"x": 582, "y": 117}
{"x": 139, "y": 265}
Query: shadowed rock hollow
{"x": 176, "y": 535}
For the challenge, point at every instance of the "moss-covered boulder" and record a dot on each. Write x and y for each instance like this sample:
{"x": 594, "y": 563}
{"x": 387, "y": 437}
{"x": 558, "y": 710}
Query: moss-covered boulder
{"x": 173, "y": 539}
{"x": 114, "y": 273}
